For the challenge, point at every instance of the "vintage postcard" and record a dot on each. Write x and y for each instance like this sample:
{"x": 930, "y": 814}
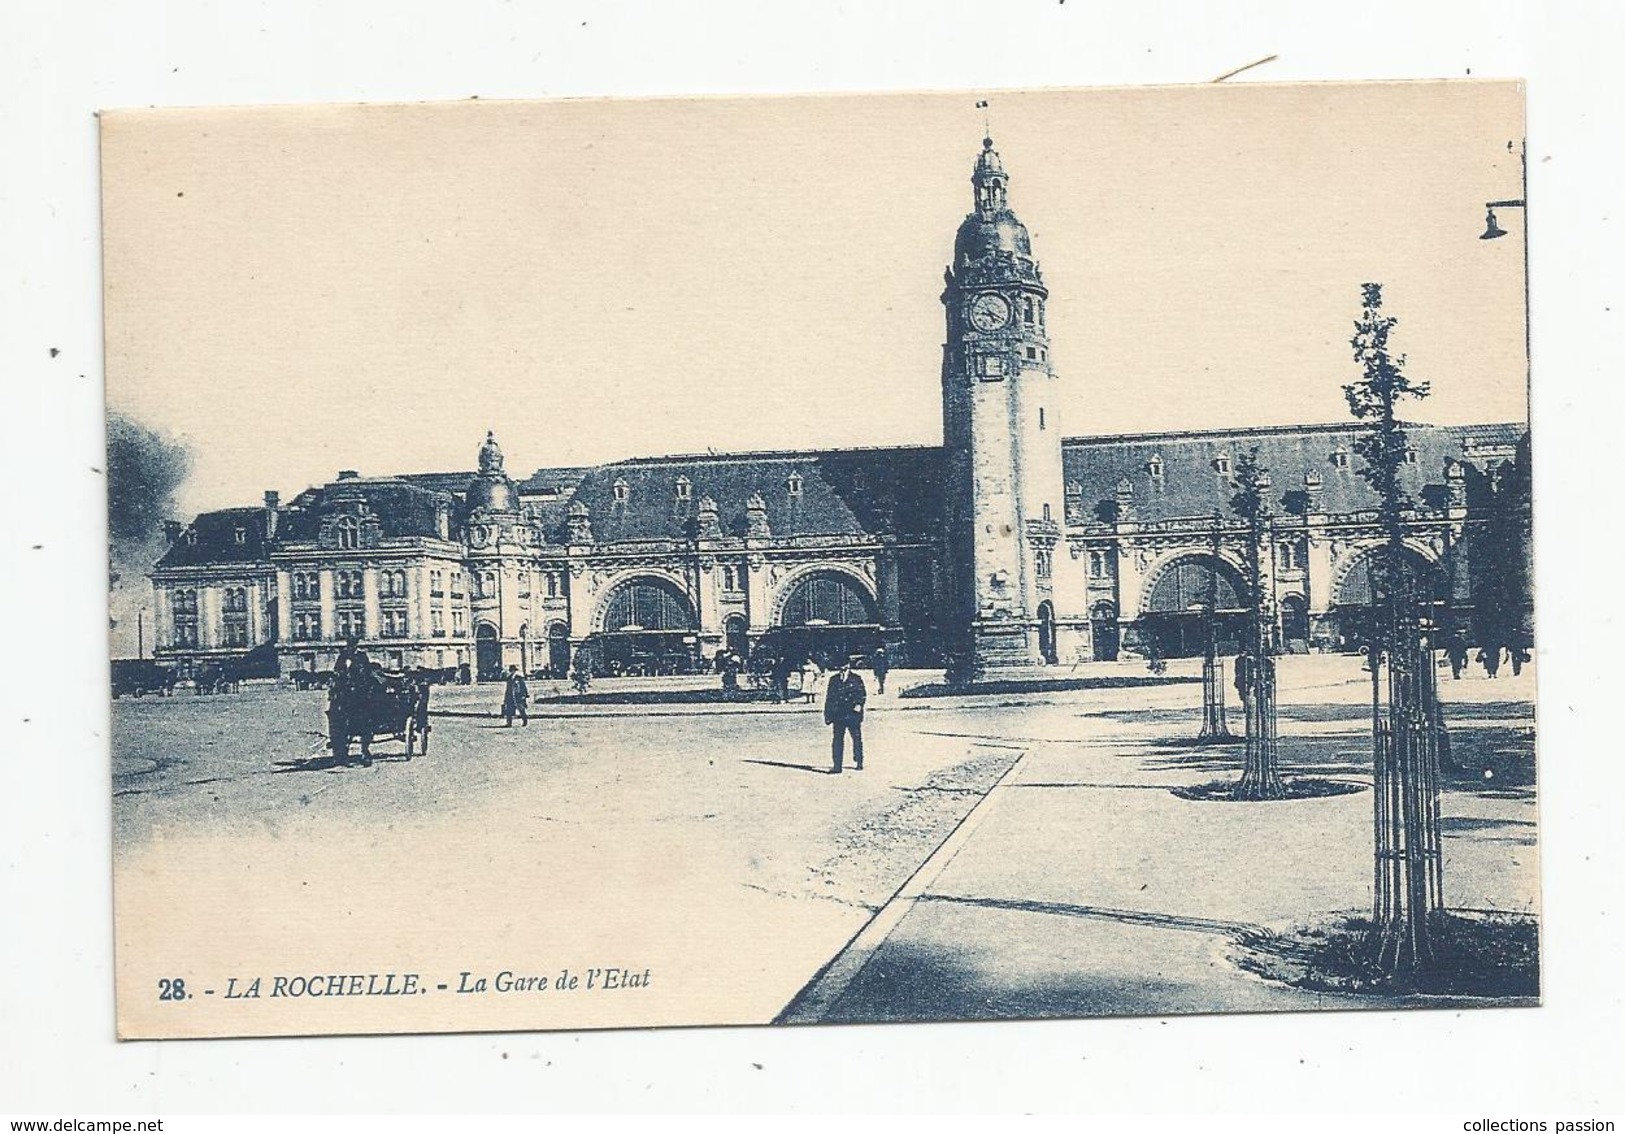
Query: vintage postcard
{"x": 602, "y": 564}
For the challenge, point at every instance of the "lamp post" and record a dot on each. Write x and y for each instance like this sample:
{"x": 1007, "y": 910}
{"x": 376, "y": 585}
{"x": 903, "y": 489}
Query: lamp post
{"x": 1494, "y": 231}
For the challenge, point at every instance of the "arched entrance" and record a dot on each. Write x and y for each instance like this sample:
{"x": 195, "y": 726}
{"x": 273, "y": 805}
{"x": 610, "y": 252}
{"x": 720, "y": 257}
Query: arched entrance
{"x": 1103, "y": 631}
{"x": 1194, "y": 596}
{"x": 1352, "y": 602}
{"x": 1046, "y": 632}
{"x": 828, "y": 616}
{"x": 487, "y": 653}
{"x": 558, "y": 649}
{"x": 1295, "y": 624}
{"x": 649, "y": 628}
{"x": 736, "y": 634}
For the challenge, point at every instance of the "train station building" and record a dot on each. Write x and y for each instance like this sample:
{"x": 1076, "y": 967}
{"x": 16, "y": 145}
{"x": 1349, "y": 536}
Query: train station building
{"x": 1010, "y": 546}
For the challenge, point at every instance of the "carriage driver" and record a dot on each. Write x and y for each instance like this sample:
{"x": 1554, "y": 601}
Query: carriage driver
{"x": 353, "y": 681}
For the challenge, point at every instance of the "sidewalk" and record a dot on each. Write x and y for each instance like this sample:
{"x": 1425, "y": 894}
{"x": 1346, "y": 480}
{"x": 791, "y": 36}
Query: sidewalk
{"x": 1082, "y": 886}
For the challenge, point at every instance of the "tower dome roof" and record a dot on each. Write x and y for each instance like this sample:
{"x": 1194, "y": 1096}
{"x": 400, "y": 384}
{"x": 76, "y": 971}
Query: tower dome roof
{"x": 491, "y": 489}
{"x": 981, "y": 235}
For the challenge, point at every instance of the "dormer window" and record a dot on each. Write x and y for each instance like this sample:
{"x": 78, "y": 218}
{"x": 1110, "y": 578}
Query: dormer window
{"x": 1221, "y": 464}
{"x": 241, "y": 536}
{"x": 191, "y": 536}
{"x": 1154, "y": 466}
{"x": 622, "y": 490}
{"x": 685, "y": 488}
{"x": 349, "y": 533}
{"x": 793, "y": 485}
{"x": 1410, "y": 456}
{"x": 1340, "y": 458}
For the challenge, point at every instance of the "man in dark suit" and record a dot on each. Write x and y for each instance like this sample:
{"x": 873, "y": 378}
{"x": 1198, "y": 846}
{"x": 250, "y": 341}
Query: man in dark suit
{"x": 843, "y": 709}
{"x": 514, "y": 698}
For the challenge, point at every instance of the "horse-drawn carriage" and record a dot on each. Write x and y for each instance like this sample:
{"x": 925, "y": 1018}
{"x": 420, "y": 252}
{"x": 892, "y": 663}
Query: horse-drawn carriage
{"x": 373, "y": 705}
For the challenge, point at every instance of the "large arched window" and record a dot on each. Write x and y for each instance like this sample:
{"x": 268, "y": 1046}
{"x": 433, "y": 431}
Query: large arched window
{"x": 648, "y": 603}
{"x": 1421, "y": 576}
{"x": 1193, "y": 584}
{"x": 828, "y": 598}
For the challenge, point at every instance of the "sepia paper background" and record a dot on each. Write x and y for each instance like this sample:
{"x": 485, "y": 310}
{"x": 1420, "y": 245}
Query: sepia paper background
{"x": 73, "y": 59}
{"x": 295, "y": 290}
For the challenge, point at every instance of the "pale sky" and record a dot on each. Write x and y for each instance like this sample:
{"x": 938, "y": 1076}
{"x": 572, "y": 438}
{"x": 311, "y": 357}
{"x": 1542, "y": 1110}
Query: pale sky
{"x": 298, "y": 290}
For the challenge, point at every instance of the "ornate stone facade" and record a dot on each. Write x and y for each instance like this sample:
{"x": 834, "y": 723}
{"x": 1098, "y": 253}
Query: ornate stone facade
{"x": 1008, "y": 546}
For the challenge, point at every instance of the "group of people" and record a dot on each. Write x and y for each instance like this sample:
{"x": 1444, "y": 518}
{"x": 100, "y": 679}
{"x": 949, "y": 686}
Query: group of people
{"x": 1490, "y": 657}
{"x": 845, "y": 696}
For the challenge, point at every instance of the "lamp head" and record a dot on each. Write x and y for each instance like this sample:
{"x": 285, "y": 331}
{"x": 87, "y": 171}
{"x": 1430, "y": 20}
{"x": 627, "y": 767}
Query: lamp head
{"x": 1491, "y": 229}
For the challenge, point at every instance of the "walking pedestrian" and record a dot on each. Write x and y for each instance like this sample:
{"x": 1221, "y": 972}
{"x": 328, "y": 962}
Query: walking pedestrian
{"x": 780, "y": 672}
{"x": 581, "y": 672}
{"x": 514, "y": 698}
{"x": 1243, "y": 677}
{"x": 843, "y": 710}
{"x": 1490, "y": 658}
{"x": 1517, "y": 655}
{"x": 882, "y": 666}
{"x": 1455, "y": 648}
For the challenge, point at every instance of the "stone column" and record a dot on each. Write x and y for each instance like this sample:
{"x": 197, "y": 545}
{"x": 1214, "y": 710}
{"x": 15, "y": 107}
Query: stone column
{"x": 420, "y": 622}
{"x": 209, "y": 630}
{"x": 1317, "y": 571}
{"x": 582, "y": 597}
{"x": 284, "y": 593}
{"x": 370, "y": 611}
{"x": 756, "y": 593}
{"x": 886, "y": 586}
{"x": 707, "y": 607}
{"x": 329, "y": 621}
{"x": 256, "y": 613}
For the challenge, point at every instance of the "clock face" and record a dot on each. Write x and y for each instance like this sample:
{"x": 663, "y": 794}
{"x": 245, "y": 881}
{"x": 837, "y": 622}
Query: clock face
{"x": 989, "y": 312}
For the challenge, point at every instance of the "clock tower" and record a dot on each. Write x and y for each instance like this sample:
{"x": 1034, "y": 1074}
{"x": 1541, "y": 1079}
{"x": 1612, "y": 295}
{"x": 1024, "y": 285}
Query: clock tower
{"x": 1010, "y": 576}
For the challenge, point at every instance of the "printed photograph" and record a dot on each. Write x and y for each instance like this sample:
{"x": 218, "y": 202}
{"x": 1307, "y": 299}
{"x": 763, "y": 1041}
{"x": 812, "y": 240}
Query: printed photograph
{"x": 843, "y": 559}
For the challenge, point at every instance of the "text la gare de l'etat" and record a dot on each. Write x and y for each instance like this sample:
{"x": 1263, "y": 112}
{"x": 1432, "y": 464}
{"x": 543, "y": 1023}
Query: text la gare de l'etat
{"x": 322, "y": 985}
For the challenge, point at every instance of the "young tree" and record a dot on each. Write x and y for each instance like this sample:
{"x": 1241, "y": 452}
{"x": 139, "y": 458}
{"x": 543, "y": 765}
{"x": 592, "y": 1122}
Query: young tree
{"x": 1261, "y": 768}
{"x": 1404, "y": 701}
{"x": 1215, "y": 730}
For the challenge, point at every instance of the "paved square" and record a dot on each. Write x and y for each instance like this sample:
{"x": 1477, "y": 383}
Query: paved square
{"x": 708, "y": 844}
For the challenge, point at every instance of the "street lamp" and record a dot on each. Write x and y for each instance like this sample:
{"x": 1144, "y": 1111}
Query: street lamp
{"x": 1494, "y": 231}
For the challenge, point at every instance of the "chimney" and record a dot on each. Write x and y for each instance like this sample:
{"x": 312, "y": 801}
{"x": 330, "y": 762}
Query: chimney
{"x": 348, "y": 474}
{"x": 271, "y": 502}
{"x": 442, "y": 519}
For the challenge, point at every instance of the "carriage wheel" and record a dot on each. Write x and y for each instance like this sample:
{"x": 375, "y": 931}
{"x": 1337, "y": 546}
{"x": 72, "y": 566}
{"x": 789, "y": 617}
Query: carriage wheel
{"x": 424, "y": 732}
{"x": 411, "y": 735}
